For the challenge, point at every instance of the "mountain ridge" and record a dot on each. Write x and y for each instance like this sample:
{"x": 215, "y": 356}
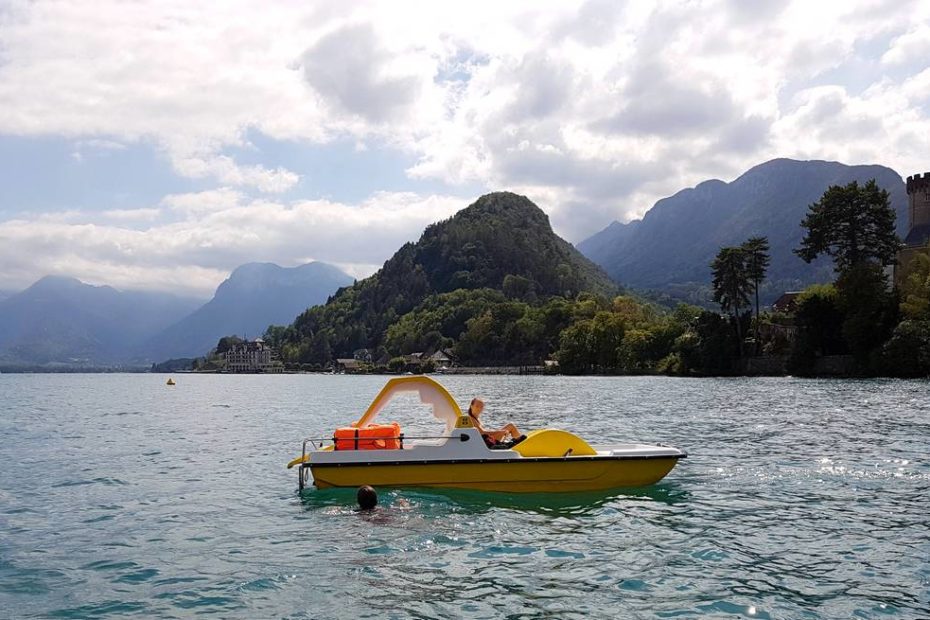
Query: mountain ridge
{"x": 254, "y": 296}
{"x": 59, "y": 319}
{"x": 670, "y": 248}
{"x": 62, "y": 321}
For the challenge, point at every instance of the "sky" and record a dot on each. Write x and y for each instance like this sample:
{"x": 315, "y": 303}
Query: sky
{"x": 159, "y": 145}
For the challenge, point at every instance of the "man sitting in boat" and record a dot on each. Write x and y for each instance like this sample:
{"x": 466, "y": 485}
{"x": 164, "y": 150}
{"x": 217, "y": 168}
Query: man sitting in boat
{"x": 493, "y": 437}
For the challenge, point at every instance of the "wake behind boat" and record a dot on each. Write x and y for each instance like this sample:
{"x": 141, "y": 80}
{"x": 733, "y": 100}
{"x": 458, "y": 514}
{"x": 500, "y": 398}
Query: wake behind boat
{"x": 546, "y": 460}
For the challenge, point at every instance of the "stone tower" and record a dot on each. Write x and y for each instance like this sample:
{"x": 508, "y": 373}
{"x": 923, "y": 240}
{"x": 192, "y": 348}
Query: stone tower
{"x": 918, "y": 209}
{"x": 918, "y": 231}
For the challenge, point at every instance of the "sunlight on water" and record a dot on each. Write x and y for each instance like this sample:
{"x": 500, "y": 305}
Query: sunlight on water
{"x": 800, "y": 499}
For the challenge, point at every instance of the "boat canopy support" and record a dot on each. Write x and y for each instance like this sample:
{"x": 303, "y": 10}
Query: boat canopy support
{"x": 431, "y": 392}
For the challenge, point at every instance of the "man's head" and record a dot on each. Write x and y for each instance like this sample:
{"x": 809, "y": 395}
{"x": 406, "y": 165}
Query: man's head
{"x": 367, "y": 497}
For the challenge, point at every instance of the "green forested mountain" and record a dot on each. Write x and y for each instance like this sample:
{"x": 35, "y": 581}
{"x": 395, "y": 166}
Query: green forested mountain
{"x": 499, "y": 249}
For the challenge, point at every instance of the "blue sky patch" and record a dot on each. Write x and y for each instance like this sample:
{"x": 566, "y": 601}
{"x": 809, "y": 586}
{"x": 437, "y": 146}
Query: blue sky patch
{"x": 43, "y": 174}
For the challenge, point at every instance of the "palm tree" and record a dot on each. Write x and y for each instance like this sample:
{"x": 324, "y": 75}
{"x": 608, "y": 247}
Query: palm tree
{"x": 731, "y": 285}
{"x": 756, "y": 250}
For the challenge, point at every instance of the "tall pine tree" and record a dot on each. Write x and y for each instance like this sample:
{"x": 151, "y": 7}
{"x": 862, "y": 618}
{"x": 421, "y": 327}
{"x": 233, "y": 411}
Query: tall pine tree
{"x": 756, "y": 250}
{"x": 732, "y": 285}
{"x": 853, "y": 225}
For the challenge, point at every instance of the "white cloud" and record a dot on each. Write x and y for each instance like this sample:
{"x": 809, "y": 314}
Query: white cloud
{"x": 132, "y": 215}
{"x": 661, "y": 103}
{"x": 596, "y": 109}
{"x": 350, "y": 70}
{"x": 100, "y": 144}
{"x": 204, "y": 202}
{"x": 911, "y": 47}
{"x": 227, "y": 171}
{"x": 830, "y": 123}
{"x": 212, "y": 233}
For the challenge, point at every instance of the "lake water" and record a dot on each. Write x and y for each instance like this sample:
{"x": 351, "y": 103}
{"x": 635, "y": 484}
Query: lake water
{"x": 121, "y": 496}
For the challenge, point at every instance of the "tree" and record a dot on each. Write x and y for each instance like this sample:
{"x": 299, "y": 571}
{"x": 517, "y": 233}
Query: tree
{"x": 853, "y": 225}
{"x": 318, "y": 350}
{"x": 709, "y": 348}
{"x": 226, "y": 343}
{"x": 731, "y": 285}
{"x": 518, "y": 287}
{"x": 907, "y": 352}
{"x": 756, "y": 252}
{"x": 275, "y": 334}
{"x": 633, "y": 351}
{"x": 870, "y": 311}
{"x": 605, "y": 336}
{"x": 575, "y": 350}
{"x": 819, "y": 321}
{"x": 915, "y": 290}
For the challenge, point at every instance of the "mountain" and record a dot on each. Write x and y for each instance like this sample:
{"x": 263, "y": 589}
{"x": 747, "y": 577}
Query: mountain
{"x": 254, "y": 296}
{"x": 503, "y": 242}
{"x": 671, "y": 248}
{"x": 61, "y": 320}
{"x": 501, "y": 234}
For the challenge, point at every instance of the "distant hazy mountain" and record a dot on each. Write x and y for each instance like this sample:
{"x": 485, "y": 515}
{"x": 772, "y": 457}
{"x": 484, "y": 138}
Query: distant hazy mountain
{"x": 63, "y": 320}
{"x": 671, "y": 248}
{"x": 254, "y": 296}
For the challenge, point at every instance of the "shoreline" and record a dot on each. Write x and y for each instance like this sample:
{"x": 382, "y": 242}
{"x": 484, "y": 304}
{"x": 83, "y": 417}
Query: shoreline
{"x": 461, "y": 371}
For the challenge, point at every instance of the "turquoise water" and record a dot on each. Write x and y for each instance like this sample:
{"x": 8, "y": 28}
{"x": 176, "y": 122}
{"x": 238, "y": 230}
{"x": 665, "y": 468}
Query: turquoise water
{"x": 120, "y": 496}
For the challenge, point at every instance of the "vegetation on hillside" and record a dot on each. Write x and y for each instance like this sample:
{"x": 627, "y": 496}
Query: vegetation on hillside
{"x": 497, "y": 256}
{"x": 493, "y": 286}
{"x": 586, "y": 334}
{"x": 885, "y": 331}
{"x": 907, "y": 351}
{"x": 855, "y": 225}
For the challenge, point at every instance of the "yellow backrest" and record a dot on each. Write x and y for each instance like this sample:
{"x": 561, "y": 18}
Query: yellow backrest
{"x": 553, "y": 442}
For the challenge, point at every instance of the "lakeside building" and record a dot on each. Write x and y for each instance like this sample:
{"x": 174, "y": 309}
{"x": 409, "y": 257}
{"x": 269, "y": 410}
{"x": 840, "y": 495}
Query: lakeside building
{"x": 362, "y": 355}
{"x": 348, "y": 364}
{"x": 441, "y": 357}
{"x": 918, "y": 231}
{"x": 363, "y": 360}
{"x": 787, "y": 302}
{"x": 252, "y": 356}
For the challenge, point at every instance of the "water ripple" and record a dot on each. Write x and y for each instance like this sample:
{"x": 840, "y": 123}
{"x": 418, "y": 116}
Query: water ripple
{"x": 801, "y": 499}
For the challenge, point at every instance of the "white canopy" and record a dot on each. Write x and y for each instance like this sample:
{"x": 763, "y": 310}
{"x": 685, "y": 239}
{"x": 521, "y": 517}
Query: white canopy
{"x": 431, "y": 392}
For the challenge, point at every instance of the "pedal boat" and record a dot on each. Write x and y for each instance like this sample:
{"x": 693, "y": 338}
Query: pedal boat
{"x": 548, "y": 460}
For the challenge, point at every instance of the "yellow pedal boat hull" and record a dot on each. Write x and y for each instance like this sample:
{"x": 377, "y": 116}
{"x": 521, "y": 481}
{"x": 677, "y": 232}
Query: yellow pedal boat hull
{"x": 523, "y": 475}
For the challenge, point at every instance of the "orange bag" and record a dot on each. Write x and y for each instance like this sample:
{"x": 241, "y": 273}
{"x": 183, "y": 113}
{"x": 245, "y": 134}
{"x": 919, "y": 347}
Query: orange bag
{"x": 371, "y": 437}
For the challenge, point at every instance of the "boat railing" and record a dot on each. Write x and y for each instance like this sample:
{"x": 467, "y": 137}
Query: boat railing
{"x": 318, "y": 443}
